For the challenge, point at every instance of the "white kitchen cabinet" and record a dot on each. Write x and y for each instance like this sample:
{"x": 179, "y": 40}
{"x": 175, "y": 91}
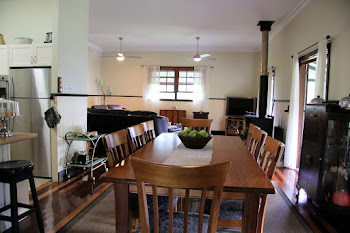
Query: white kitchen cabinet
{"x": 28, "y": 55}
{"x": 4, "y": 65}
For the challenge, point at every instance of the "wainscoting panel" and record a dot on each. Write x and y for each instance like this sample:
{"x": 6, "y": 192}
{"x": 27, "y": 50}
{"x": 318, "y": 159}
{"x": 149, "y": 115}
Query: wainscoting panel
{"x": 73, "y": 111}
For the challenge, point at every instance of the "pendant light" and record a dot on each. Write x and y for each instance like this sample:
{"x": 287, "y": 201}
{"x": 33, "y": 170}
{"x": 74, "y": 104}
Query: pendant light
{"x": 120, "y": 55}
{"x": 197, "y": 57}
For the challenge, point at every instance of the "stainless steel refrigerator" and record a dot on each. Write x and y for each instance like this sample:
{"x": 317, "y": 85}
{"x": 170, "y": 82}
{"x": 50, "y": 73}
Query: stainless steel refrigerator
{"x": 30, "y": 87}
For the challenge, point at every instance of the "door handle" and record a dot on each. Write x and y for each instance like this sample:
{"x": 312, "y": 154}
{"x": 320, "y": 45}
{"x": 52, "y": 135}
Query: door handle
{"x": 313, "y": 115}
{"x": 35, "y": 59}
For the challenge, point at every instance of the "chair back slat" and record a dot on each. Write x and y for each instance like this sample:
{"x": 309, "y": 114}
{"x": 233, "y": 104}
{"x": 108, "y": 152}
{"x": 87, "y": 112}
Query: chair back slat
{"x": 116, "y": 146}
{"x": 201, "y": 210}
{"x": 258, "y": 140}
{"x": 201, "y": 177}
{"x": 137, "y": 137}
{"x": 143, "y": 209}
{"x": 150, "y": 132}
{"x": 187, "y": 200}
{"x": 250, "y": 133}
{"x": 155, "y": 209}
{"x": 171, "y": 210}
{"x": 198, "y": 124}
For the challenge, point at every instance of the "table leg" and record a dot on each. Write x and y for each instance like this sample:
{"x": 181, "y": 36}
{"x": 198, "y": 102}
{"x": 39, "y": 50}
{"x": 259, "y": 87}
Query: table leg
{"x": 121, "y": 192}
{"x": 250, "y": 213}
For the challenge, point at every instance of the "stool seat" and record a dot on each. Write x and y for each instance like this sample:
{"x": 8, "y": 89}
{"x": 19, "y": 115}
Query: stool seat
{"x": 13, "y": 172}
{"x": 13, "y": 165}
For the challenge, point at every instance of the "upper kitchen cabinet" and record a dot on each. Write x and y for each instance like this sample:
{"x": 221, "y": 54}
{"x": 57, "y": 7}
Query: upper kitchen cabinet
{"x": 4, "y": 68}
{"x": 27, "y": 55}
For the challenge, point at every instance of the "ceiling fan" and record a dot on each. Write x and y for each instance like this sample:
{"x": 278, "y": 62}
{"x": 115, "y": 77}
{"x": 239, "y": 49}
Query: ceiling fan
{"x": 120, "y": 55}
{"x": 198, "y": 58}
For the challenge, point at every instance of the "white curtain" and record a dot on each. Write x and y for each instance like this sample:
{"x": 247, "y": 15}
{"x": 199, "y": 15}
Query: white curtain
{"x": 201, "y": 89}
{"x": 292, "y": 139}
{"x": 151, "y": 94}
{"x": 320, "y": 88}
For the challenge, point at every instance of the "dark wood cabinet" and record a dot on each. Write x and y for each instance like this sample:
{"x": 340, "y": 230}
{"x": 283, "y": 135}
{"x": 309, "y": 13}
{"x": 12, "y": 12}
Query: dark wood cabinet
{"x": 174, "y": 116}
{"x": 325, "y": 153}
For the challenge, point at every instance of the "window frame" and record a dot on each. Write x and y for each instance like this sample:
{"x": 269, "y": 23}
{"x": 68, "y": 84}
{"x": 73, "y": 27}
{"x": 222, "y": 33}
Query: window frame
{"x": 177, "y": 70}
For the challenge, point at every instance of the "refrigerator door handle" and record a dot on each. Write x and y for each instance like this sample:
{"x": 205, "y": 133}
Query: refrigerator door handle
{"x": 12, "y": 93}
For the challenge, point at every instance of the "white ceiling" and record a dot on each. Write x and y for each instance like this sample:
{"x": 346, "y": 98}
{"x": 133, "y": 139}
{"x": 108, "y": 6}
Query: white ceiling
{"x": 172, "y": 25}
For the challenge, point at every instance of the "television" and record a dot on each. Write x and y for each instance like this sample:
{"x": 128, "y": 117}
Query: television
{"x": 239, "y": 106}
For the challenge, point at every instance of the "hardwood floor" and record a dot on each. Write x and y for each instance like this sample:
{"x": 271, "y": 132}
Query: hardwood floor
{"x": 60, "y": 203}
{"x": 318, "y": 222}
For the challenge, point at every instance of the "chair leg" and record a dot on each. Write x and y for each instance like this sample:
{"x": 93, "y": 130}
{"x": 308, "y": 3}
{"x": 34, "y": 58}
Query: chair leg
{"x": 14, "y": 207}
{"x": 36, "y": 205}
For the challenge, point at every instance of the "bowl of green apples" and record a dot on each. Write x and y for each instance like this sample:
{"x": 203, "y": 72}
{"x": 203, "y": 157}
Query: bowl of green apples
{"x": 193, "y": 139}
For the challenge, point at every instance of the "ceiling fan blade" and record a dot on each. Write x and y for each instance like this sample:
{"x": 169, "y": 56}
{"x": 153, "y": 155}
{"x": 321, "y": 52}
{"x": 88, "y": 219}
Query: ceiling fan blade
{"x": 209, "y": 58}
{"x": 205, "y": 55}
{"x": 134, "y": 57}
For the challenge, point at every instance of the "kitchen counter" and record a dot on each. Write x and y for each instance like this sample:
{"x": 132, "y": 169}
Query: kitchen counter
{"x": 17, "y": 137}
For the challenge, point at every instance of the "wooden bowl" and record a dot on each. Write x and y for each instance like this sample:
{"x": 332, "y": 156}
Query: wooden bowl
{"x": 195, "y": 142}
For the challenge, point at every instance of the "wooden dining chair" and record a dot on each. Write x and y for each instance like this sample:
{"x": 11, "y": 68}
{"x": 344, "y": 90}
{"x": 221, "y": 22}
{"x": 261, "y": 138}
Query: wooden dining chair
{"x": 136, "y": 136}
{"x": 198, "y": 124}
{"x": 116, "y": 146}
{"x": 258, "y": 141}
{"x": 250, "y": 132}
{"x": 231, "y": 212}
{"x": 179, "y": 177}
{"x": 150, "y": 133}
{"x": 117, "y": 149}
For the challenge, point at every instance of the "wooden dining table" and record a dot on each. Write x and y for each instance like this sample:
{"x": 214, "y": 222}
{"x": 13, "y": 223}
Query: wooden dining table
{"x": 245, "y": 180}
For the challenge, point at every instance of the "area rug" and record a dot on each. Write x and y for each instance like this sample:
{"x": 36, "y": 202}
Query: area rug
{"x": 281, "y": 216}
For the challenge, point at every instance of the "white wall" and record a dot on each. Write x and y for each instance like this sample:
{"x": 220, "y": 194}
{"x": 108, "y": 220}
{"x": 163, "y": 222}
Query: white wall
{"x": 234, "y": 74}
{"x": 70, "y": 61}
{"x": 23, "y": 18}
{"x": 94, "y": 74}
{"x": 317, "y": 20}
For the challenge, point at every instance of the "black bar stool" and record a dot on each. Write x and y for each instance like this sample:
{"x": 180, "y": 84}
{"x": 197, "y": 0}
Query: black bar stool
{"x": 13, "y": 172}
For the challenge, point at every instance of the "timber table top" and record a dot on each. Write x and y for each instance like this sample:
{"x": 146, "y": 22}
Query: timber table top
{"x": 17, "y": 137}
{"x": 244, "y": 174}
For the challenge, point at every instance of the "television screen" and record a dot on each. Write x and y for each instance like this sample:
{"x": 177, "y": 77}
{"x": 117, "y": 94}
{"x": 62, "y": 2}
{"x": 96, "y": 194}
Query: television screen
{"x": 240, "y": 106}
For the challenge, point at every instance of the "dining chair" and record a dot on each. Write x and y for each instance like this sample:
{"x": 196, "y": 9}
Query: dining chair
{"x": 250, "y": 132}
{"x": 258, "y": 141}
{"x": 116, "y": 146}
{"x": 150, "y": 133}
{"x": 179, "y": 177}
{"x": 117, "y": 149}
{"x": 231, "y": 212}
{"x": 136, "y": 136}
{"x": 198, "y": 124}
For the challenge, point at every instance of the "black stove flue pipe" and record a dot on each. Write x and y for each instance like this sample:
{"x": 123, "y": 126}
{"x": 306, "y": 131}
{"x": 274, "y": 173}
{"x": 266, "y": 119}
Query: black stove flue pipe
{"x": 265, "y": 27}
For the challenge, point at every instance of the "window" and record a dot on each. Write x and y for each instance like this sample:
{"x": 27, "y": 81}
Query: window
{"x": 176, "y": 83}
{"x": 309, "y": 66}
